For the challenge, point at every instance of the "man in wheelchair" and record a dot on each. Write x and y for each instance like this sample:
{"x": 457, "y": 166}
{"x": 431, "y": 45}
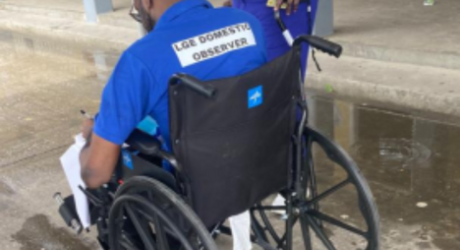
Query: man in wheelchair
{"x": 187, "y": 36}
{"x": 190, "y": 36}
{"x": 228, "y": 142}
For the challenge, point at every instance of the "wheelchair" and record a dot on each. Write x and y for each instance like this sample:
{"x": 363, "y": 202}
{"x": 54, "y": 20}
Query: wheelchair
{"x": 237, "y": 142}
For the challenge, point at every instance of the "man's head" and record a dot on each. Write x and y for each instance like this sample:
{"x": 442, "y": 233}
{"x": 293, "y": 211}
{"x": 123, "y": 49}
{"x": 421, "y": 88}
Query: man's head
{"x": 150, "y": 11}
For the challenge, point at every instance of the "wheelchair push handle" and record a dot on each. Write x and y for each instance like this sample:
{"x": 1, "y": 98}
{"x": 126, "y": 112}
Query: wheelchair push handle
{"x": 194, "y": 84}
{"x": 319, "y": 43}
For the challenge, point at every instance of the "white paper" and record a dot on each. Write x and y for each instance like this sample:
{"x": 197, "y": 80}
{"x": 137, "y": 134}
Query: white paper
{"x": 241, "y": 231}
{"x": 71, "y": 164}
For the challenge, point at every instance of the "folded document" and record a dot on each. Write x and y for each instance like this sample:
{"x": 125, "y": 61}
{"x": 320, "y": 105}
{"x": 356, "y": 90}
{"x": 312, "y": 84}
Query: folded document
{"x": 71, "y": 164}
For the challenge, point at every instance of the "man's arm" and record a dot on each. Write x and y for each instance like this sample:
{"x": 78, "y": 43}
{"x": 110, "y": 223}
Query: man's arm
{"x": 127, "y": 99}
{"x": 98, "y": 160}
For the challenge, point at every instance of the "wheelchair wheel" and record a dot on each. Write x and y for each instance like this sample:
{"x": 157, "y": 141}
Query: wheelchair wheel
{"x": 335, "y": 209}
{"x": 148, "y": 215}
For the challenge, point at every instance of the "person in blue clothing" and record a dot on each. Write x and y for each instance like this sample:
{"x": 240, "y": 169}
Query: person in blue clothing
{"x": 298, "y": 15}
{"x": 187, "y": 36}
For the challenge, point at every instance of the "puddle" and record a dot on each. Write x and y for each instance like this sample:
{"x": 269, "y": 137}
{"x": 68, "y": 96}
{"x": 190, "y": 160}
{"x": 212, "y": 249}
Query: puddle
{"x": 410, "y": 161}
{"x": 37, "y": 233}
{"x": 392, "y": 152}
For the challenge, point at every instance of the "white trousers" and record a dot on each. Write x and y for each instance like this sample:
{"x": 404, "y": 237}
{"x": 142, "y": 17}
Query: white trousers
{"x": 241, "y": 226}
{"x": 241, "y": 231}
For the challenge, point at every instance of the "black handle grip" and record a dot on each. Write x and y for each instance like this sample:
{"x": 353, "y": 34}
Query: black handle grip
{"x": 193, "y": 84}
{"x": 319, "y": 43}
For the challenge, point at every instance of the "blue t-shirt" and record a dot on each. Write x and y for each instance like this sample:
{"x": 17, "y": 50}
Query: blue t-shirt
{"x": 191, "y": 37}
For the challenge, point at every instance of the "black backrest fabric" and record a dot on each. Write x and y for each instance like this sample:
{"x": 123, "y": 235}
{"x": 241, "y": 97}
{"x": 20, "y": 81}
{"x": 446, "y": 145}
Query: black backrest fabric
{"x": 234, "y": 155}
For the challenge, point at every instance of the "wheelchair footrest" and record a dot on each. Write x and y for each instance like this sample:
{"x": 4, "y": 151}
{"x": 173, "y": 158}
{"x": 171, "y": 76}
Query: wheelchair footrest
{"x": 68, "y": 214}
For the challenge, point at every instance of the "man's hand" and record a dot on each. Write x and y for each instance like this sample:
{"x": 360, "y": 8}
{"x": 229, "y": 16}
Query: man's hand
{"x": 292, "y": 5}
{"x": 98, "y": 158}
{"x": 227, "y": 3}
{"x": 87, "y": 128}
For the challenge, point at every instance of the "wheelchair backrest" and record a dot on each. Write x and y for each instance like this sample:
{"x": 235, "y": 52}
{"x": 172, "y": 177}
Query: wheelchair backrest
{"x": 235, "y": 147}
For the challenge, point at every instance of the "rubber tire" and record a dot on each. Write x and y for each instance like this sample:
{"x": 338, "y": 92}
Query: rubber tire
{"x": 146, "y": 183}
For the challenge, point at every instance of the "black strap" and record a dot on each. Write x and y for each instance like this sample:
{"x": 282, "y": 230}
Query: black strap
{"x": 310, "y": 32}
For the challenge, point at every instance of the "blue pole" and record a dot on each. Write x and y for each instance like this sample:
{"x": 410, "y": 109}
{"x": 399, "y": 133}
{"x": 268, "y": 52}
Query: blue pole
{"x": 324, "y": 24}
{"x": 95, "y": 7}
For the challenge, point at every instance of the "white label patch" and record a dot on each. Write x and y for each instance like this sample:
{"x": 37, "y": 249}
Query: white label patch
{"x": 213, "y": 44}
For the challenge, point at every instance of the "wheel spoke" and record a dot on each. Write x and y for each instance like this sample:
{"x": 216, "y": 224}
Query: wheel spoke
{"x": 289, "y": 222}
{"x": 141, "y": 230}
{"x": 337, "y": 223}
{"x": 162, "y": 242}
{"x": 280, "y": 243}
{"x": 305, "y": 233}
{"x": 319, "y": 232}
{"x": 128, "y": 243}
{"x": 257, "y": 228}
{"x": 149, "y": 217}
{"x": 268, "y": 226}
{"x": 328, "y": 192}
{"x": 270, "y": 208}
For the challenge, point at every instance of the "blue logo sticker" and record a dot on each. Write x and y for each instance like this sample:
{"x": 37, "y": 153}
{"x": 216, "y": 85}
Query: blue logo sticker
{"x": 255, "y": 97}
{"x": 149, "y": 126}
{"x": 127, "y": 160}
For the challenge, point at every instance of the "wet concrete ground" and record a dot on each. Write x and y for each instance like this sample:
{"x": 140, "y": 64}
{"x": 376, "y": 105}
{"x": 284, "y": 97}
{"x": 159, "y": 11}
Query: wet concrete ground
{"x": 409, "y": 158}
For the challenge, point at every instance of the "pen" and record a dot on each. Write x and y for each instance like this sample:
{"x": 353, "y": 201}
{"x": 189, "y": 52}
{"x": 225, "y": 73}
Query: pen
{"x": 85, "y": 114}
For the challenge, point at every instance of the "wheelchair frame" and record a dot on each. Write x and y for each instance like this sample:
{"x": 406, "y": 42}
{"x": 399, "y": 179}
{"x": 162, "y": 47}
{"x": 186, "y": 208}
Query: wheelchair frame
{"x": 106, "y": 201}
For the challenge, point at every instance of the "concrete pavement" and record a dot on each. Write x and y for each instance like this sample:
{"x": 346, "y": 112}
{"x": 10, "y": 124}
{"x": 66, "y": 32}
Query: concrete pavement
{"x": 403, "y": 31}
{"x": 406, "y": 158}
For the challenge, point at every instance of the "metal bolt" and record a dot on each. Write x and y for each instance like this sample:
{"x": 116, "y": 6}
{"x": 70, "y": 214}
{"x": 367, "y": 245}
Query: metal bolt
{"x": 76, "y": 225}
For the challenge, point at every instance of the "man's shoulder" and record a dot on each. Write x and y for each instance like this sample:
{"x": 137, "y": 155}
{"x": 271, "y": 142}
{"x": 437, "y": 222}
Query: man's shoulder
{"x": 226, "y": 13}
{"x": 214, "y": 18}
{"x": 157, "y": 46}
{"x": 144, "y": 48}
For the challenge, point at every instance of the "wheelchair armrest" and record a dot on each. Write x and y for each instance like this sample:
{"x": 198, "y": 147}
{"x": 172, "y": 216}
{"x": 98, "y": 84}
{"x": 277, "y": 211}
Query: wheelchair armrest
{"x": 193, "y": 83}
{"x": 143, "y": 143}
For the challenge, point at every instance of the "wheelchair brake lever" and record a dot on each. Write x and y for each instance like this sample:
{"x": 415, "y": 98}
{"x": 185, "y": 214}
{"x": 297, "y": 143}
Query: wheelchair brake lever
{"x": 92, "y": 198}
{"x": 313, "y": 55}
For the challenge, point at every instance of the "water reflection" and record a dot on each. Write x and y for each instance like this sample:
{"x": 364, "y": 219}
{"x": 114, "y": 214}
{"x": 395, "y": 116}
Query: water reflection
{"x": 407, "y": 160}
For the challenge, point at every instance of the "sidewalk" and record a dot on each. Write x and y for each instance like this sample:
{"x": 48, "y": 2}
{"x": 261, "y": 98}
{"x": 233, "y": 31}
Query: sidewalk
{"x": 60, "y": 5}
{"x": 64, "y": 19}
{"x": 401, "y": 53}
{"x": 400, "y": 31}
